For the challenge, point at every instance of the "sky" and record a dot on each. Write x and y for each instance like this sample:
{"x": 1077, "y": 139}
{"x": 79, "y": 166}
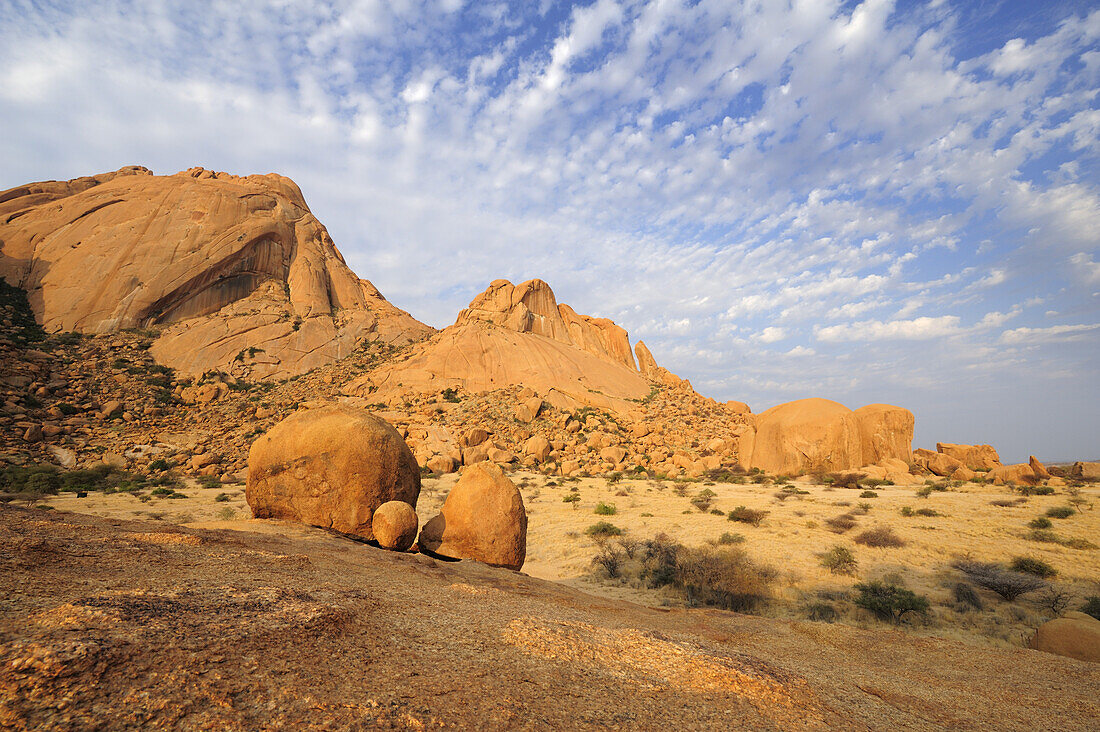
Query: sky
{"x": 864, "y": 201}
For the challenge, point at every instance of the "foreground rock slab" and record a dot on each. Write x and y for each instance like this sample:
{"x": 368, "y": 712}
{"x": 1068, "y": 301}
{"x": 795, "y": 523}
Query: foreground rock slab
{"x": 139, "y": 625}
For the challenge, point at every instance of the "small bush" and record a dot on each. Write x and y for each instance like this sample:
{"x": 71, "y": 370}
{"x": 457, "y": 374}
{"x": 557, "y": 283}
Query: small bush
{"x": 906, "y": 511}
{"x": 703, "y": 499}
{"x": 965, "y": 594}
{"x": 1034, "y": 490}
{"x": 1042, "y": 522}
{"x": 868, "y": 494}
{"x": 840, "y": 524}
{"x": 728, "y": 538}
{"x": 209, "y": 481}
{"x": 603, "y": 529}
{"x": 1005, "y": 582}
{"x": 1092, "y": 606}
{"x": 227, "y": 513}
{"x": 222, "y": 497}
{"x": 610, "y": 559}
{"x": 1030, "y": 565}
{"x": 747, "y": 515}
{"x": 605, "y": 509}
{"x": 924, "y": 492}
{"x": 573, "y": 498}
{"x": 1060, "y": 512}
{"x": 159, "y": 465}
{"x": 846, "y": 480}
{"x": 880, "y": 536}
{"x": 724, "y": 577}
{"x": 1008, "y": 502}
{"x": 839, "y": 560}
{"x": 927, "y": 512}
{"x": 890, "y": 602}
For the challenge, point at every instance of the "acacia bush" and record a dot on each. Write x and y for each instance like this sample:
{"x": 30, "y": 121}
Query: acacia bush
{"x": 1007, "y": 583}
{"x": 965, "y": 594}
{"x": 846, "y": 480}
{"x": 1031, "y": 565}
{"x": 890, "y": 602}
{"x": 723, "y": 577}
{"x": 1060, "y": 512}
{"x": 747, "y": 515}
{"x": 880, "y": 537}
{"x": 840, "y": 524}
{"x": 603, "y": 529}
{"x": 605, "y": 509}
{"x": 839, "y": 560}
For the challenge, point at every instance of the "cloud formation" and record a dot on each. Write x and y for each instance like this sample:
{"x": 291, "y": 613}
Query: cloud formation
{"x": 850, "y": 200}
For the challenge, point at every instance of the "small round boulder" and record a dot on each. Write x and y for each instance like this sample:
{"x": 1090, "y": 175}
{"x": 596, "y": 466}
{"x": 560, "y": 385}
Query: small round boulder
{"x": 395, "y": 525}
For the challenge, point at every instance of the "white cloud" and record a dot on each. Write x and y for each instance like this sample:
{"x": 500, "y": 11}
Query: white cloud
{"x": 1026, "y": 336}
{"x": 917, "y": 329}
{"x": 771, "y": 335}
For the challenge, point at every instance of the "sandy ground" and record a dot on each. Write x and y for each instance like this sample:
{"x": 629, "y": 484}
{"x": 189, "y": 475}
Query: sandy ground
{"x": 790, "y": 538}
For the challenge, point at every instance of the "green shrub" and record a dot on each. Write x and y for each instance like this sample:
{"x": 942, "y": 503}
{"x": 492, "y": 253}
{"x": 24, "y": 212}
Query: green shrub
{"x": 965, "y": 594}
{"x": 222, "y": 497}
{"x": 890, "y": 602}
{"x": 1030, "y": 565}
{"x": 924, "y": 492}
{"x": 209, "y": 481}
{"x": 703, "y": 499}
{"x": 881, "y": 537}
{"x": 846, "y": 480}
{"x": 605, "y": 509}
{"x": 1034, "y": 490}
{"x": 840, "y": 524}
{"x": 573, "y": 498}
{"x": 927, "y": 512}
{"x": 822, "y": 612}
{"x": 728, "y": 538}
{"x": 603, "y": 529}
{"x": 906, "y": 511}
{"x": 159, "y": 465}
{"x": 1042, "y": 522}
{"x": 1092, "y": 607}
{"x": 868, "y": 494}
{"x": 1060, "y": 512}
{"x": 747, "y": 515}
{"x": 839, "y": 560}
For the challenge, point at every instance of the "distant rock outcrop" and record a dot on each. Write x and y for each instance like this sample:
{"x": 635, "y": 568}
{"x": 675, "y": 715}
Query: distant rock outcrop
{"x": 974, "y": 457}
{"x": 331, "y": 467}
{"x": 236, "y": 270}
{"x": 822, "y": 435}
{"x": 519, "y": 335}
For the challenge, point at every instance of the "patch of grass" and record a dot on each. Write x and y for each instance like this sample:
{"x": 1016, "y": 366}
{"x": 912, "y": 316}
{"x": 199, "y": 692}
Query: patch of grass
{"x": 747, "y": 515}
{"x": 209, "y": 481}
{"x": 1092, "y": 606}
{"x": 840, "y": 524}
{"x": 1042, "y": 522}
{"x": 605, "y": 509}
{"x": 881, "y": 537}
{"x": 728, "y": 538}
{"x": 839, "y": 560}
{"x": 573, "y": 498}
{"x": 1034, "y": 490}
{"x": 222, "y": 498}
{"x": 821, "y": 612}
{"x": 889, "y": 602}
{"x": 966, "y": 595}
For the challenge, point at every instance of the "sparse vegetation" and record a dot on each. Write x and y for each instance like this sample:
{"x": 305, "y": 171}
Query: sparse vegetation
{"x": 1007, "y": 583}
{"x": 602, "y": 530}
{"x": 839, "y": 560}
{"x": 1092, "y": 606}
{"x": 1060, "y": 512}
{"x": 840, "y": 524}
{"x": 605, "y": 509}
{"x": 747, "y": 515}
{"x": 1031, "y": 565}
{"x": 703, "y": 499}
{"x": 881, "y": 537}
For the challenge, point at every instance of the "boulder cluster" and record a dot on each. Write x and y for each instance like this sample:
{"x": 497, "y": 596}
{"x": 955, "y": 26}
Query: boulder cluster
{"x": 343, "y": 468}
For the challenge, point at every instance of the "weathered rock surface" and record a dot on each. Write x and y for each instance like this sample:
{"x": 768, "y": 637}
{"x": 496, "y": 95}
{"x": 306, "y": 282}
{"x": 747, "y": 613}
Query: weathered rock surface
{"x": 975, "y": 457}
{"x": 1019, "y": 473}
{"x": 1075, "y": 635}
{"x": 885, "y": 432}
{"x": 806, "y": 435}
{"x": 395, "y": 525}
{"x": 518, "y": 335}
{"x": 937, "y": 463}
{"x": 236, "y": 270}
{"x": 1086, "y": 470}
{"x": 330, "y": 467}
{"x": 482, "y": 518}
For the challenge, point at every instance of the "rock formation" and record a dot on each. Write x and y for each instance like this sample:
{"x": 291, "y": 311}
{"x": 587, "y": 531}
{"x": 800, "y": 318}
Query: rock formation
{"x": 483, "y": 518}
{"x": 1075, "y": 635}
{"x": 330, "y": 467}
{"x": 519, "y": 335}
{"x": 974, "y": 457}
{"x": 235, "y": 270}
{"x": 395, "y": 525}
{"x": 821, "y": 435}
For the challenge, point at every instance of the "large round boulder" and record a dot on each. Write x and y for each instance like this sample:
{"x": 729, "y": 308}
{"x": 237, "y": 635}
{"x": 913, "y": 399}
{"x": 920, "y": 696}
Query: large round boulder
{"x": 1076, "y": 635}
{"x": 483, "y": 518}
{"x": 807, "y": 435}
{"x": 330, "y": 467}
{"x": 975, "y": 457}
{"x": 395, "y": 524}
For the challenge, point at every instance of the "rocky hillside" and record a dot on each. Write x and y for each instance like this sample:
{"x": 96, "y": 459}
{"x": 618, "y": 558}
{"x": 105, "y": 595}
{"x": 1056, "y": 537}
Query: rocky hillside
{"x": 231, "y": 270}
{"x": 130, "y": 625}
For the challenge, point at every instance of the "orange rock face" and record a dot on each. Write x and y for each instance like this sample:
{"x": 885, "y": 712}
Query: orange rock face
{"x": 1076, "y": 635}
{"x": 975, "y": 457}
{"x": 821, "y": 435}
{"x": 234, "y": 268}
{"x": 519, "y": 335}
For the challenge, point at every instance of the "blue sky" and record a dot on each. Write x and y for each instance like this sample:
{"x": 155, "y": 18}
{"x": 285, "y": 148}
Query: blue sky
{"x": 866, "y": 201}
